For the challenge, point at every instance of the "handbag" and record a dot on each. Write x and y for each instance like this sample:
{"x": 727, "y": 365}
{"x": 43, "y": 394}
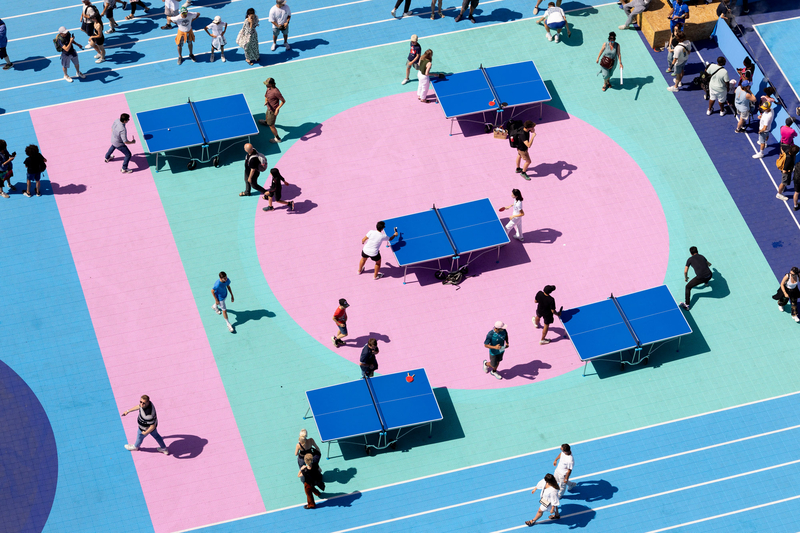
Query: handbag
{"x": 242, "y": 38}
{"x": 606, "y": 62}
{"x": 781, "y": 160}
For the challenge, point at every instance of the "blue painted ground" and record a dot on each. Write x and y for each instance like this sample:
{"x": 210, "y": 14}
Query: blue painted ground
{"x": 781, "y": 39}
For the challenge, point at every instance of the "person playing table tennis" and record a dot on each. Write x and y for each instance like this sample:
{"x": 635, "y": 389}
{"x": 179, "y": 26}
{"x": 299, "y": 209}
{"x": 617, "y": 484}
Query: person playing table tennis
{"x": 702, "y": 274}
{"x": 372, "y": 245}
{"x": 516, "y": 216}
{"x": 548, "y": 500}
{"x": 545, "y": 310}
{"x": 497, "y": 342}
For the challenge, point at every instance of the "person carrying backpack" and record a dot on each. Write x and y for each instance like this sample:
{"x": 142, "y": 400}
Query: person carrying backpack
{"x": 523, "y": 139}
{"x": 35, "y": 164}
{"x": 680, "y": 55}
{"x": 65, "y": 43}
{"x": 254, "y": 165}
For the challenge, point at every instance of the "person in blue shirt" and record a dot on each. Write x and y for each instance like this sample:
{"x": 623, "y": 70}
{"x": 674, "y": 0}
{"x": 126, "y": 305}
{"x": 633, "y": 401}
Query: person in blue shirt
{"x": 497, "y": 342}
{"x": 680, "y": 12}
{"x": 220, "y": 292}
{"x": 3, "y": 44}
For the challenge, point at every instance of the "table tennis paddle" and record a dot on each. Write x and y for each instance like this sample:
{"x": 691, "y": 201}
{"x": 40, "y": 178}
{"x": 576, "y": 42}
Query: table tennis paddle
{"x": 502, "y": 209}
{"x": 409, "y": 377}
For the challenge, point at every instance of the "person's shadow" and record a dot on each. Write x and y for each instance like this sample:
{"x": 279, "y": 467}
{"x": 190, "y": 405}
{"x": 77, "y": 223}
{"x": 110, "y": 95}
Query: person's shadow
{"x": 242, "y": 317}
{"x": 361, "y": 341}
{"x": 542, "y": 236}
{"x": 717, "y": 284}
{"x": 72, "y": 188}
{"x": 630, "y": 84}
{"x": 339, "y": 499}
{"x": 339, "y": 476}
{"x": 526, "y": 371}
{"x": 186, "y": 446}
{"x": 557, "y": 169}
{"x": 591, "y": 491}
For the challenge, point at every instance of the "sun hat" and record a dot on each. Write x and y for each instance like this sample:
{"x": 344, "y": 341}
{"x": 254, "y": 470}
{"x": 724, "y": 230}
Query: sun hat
{"x": 499, "y": 325}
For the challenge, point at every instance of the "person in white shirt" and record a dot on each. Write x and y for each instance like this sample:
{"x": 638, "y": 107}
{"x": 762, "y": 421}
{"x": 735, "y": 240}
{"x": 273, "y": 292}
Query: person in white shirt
{"x": 279, "y": 16}
{"x": 565, "y": 463}
{"x": 764, "y": 125}
{"x": 372, "y": 247}
{"x": 680, "y": 55}
{"x": 185, "y": 33}
{"x": 216, "y": 30}
{"x": 554, "y": 18}
{"x": 516, "y": 216}
{"x": 548, "y": 500}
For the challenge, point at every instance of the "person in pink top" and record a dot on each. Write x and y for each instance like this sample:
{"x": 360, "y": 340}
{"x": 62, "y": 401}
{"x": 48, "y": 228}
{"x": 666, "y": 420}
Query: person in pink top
{"x": 787, "y": 133}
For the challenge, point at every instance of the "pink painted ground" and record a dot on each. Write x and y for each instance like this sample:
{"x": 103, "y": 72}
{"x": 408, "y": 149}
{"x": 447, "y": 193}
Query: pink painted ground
{"x": 593, "y": 225}
{"x": 146, "y": 321}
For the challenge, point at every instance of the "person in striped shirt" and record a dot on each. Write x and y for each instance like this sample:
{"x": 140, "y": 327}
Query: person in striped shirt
{"x": 148, "y": 422}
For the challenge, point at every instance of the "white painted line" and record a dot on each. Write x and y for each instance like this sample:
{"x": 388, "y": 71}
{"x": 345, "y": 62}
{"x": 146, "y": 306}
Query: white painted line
{"x": 76, "y": 7}
{"x": 774, "y": 21}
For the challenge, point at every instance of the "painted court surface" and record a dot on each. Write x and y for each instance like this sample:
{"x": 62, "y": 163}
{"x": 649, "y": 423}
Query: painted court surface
{"x": 109, "y": 278}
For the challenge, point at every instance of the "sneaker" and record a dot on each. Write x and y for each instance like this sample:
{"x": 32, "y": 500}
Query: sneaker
{"x": 625, "y": 27}
{"x": 274, "y": 139}
{"x": 739, "y": 130}
{"x": 274, "y": 47}
{"x": 485, "y": 367}
{"x": 230, "y": 327}
{"x": 217, "y": 309}
{"x": 408, "y": 14}
{"x": 126, "y": 171}
{"x": 26, "y": 193}
{"x": 191, "y": 56}
{"x": 683, "y": 306}
{"x": 223, "y": 59}
{"x": 520, "y": 239}
{"x": 97, "y": 56}
{"x": 680, "y": 84}
{"x": 335, "y": 341}
{"x": 101, "y": 60}
{"x": 519, "y": 170}
{"x": 544, "y": 341}
{"x": 549, "y": 37}
{"x": 112, "y": 30}
{"x": 393, "y": 13}
{"x": 268, "y": 208}
{"x": 379, "y": 276}
{"x": 796, "y": 318}
{"x": 797, "y": 207}
{"x": 131, "y": 447}
{"x": 163, "y": 450}
{"x": 780, "y": 308}
{"x": 758, "y": 155}
{"x": 38, "y": 194}
{"x": 291, "y": 206}
{"x": 4, "y": 195}
{"x": 404, "y": 81}
{"x": 525, "y": 175}
{"x": 781, "y": 197}
{"x": 535, "y": 11}
{"x": 180, "y": 60}
{"x": 556, "y": 38}
{"x": 708, "y": 112}
{"x": 81, "y": 75}
{"x": 107, "y": 159}
{"x": 166, "y": 27}
{"x": 672, "y": 88}
{"x": 495, "y": 374}
{"x": 669, "y": 69}
{"x": 66, "y": 77}
{"x": 722, "y": 112}
{"x": 286, "y": 45}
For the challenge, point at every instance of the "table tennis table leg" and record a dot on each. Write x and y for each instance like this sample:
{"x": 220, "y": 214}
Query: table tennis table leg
{"x": 584, "y": 368}
{"x": 451, "y": 126}
{"x": 405, "y": 271}
{"x": 498, "y": 255}
{"x": 328, "y": 455}
{"x": 541, "y": 109}
{"x": 305, "y": 416}
{"x": 156, "y": 162}
{"x": 430, "y": 431}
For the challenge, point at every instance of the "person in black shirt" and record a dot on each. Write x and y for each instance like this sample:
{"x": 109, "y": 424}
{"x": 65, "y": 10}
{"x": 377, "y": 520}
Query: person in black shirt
{"x": 35, "y": 164}
{"x": 545, "y": 309}
{"x": 274, "y": 192}
{"x": 724, "y": 12}
{"x": 311, "y": 476}
{"x": 251, "y": 171}
{"x": 368, "y": 362}
{"x": 702, "y": 274}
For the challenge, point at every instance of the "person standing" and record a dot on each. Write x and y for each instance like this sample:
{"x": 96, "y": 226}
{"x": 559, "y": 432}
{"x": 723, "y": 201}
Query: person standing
{"x": 565, "y": 463}
{"x": 368, "y": 362}
{"x": 119, "y": 138}
{"x": 786, "y": 171}
{"x": 148, "y": 422}
{"x": 413, "y": 58}
{"x": 275, "y": 189}
{"x": 497, "y": 342}
{"x": 273, "y": 100}
{"x": 406, "y": 10}
{"x": 433, "y": 10}
{"x": 525, "y": 139}
{"x": 548, "y": 500}
{"x": 248, "y": 37}
{"x": 216, "y": 30}
{"x": 724, "y": 12}
{"x": 35, "y": 164}
{"x": 3, "y": 45}
{"x": 252, "y": 166}
{"x": 680, "y": 12}
{"x": 66, "y": 42}
{"x": 702, "y": 274}
{"x": 371, "y": 248}
{"x": 789, "y": 292}
{"x": 171, "y": 9}
{"x": 718, "y": 87}
{"x": 279, "y": 16}
{"x": 671, "y": 44}
{"x": 185, "y": 33}
{"x": 516, "y": 216}
{"x": 545, "y": 310}
{"x": 108, "y": 13}
{"x": 764, "y": 126}
{"x": 424, "y": 75}
{"x": 220, "y": 291}
{"x": 611, "y": 54}
{"x": 340, "y": 318}
{"x": 742, "y": 99}
{"x": 632, "y": 9}
{"x": 306, "y": 445}
{"x": 311, "y": 476}
{"x": 788, "y": 133}
{"x": 472, "y": 4}
{"x": 87, "y": 12}
{"x": 6, "y": 168}
{"x": 680, "y": 55}
{"x": 554, "y": 19}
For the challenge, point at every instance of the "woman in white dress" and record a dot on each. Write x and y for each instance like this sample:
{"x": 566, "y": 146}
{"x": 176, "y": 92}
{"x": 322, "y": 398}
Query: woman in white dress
{"x": 548, "y": 500}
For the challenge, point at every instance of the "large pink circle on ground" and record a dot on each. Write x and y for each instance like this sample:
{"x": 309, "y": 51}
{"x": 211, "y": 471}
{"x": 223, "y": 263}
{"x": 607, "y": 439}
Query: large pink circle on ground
{"x": 593, "y": 225}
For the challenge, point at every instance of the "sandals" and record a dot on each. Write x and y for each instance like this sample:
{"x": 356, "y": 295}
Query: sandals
{"x": 244, "y": 193}
{"x": 530, "y": 523}
{"x": 555, "y": 516}
{"x": 129, "y": 17}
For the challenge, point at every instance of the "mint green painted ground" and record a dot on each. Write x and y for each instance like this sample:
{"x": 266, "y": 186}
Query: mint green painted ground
{"x": 741, "y": 349}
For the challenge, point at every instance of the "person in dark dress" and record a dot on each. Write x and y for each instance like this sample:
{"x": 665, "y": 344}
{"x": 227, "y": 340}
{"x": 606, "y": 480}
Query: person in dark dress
{"x": 545, "y": 310}
{"x": 702, "y": 274}
{"x": 311, "y": 476}
{"x": 306, "y": 445}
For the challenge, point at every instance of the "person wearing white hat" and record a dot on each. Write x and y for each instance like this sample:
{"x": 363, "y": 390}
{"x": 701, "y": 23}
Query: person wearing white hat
{"x": 497, "y": 342}
{"x": 279, "y": 16}
{"x": 66, "y": 44}
{"x": 217, "y": 34}
{"x": 171, "y": 9}
{"x": 413, "y": 58}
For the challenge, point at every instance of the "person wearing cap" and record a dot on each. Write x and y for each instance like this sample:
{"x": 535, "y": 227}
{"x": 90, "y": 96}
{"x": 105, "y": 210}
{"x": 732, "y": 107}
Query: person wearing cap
{"x": 3, "y": 44}
{"x": 497, "y": 342}
{"x": 718, "y": 86}
{"x": 340, "y": 318}
{"x": 764, "y": 127}
{"x": 171, "y": 9}
{"x": 273, "y": 101}
{"x": 368, "y": 362}
{"x": 66, "y": 42}
{"x": 413, "y": 58}
{"x": 742, "y": 98}
{"x": 185, "y": 33}
{"x": 216, "y": 30}
{"x": 371, "y": 248}
{"x": 545, "y": 310}
{"x": 279, "y": 16}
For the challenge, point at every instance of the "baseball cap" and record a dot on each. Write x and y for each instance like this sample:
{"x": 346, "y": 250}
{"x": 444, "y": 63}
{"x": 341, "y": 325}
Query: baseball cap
{"x": 413, "y": 38}
{"x": 765, "y": 106}
{"x": 184, "y": 10}
{"x": 266, "y": 82}
{"x": 280, "y": 2}
{"x": 499, "y": 325}
{"x": 746, "y": 83}
{"x": 342, "y": 301}
{"x": 217, "y": 19}
{"x": 62, "y": 29}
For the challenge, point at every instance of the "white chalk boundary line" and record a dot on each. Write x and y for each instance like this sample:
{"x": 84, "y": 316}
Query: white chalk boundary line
{"x": 724, "y": 409}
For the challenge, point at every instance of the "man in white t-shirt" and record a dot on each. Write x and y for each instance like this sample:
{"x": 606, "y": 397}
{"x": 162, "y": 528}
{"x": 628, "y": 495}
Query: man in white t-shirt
{"x": 185, "y": 33}
{"x": 372, "y": 248}
{"x": 279, "y": 17}
{"x": 554, "y": 19}
{"x": 764, "y": 127}
{"x": 565, "y": 463}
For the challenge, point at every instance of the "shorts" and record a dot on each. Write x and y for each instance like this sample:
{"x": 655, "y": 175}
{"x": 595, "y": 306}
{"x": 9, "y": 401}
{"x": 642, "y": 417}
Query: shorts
{"x": 343, "y": 329}
{"x": 496, "y": 359}
{"x": 762, "y": 137}
{"x": 276, "y": 31}
{"x": 786, "y": 178}
{"x": 275, "y": 194}
{"x": 744, "y": 115}
{"x": 3, "y": 53}
{"x": 469, "y": 3}
{"x": 221, "y": 305}
{"x": 721, "y": 96}
{"x": 557, "y": 25}
{"x": 182, "y": 37}
{"x": 547, "y": 317}
{"x": 543, "y": 508}
{"x": 678, "y": 69}
{"x": 34, "y": 177}
{"x": 67, "y": 58}
{"x": 376, "y": 257}
{"x": 270, "y": 118}
{"x": 796, "y": 181}
{"x": 524, "y": 155}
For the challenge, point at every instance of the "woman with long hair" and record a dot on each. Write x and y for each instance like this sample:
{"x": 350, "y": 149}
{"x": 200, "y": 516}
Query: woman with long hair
{"x": 516, "y": 216}
{"x": 548, "y": 500}
{"x": 250, "y": 38}
{"x": 425, "y": 64}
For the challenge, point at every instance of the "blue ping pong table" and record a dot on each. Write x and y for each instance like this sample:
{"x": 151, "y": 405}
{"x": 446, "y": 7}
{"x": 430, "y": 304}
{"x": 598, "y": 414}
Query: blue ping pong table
{"x": 647, "y": 318}
{"x": 197, "y": 124}
{"x": 449, "y": 232}
{"x": 491, "y": 89}
{"x": 374, "y": 405}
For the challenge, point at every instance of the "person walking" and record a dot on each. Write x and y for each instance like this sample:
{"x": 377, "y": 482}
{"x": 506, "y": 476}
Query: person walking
{"x": 6, "y": 168}
{"x": 632, "y": 10}
{"x": 743, "y": 97}
{"x": 3, "y": 45}
{"x": 248, "y": 37}
{"x": 185, "y": 33}
{"x": 524, "y": 140}
{"x": 216, "y": 30}
{"x": 424, "y": 75}
{"x": 119, "y": 140}
{"x": 275, "y": 189}
{"x": 764, "y": 127}
{"x": 148, "y": 422}
{"x": 340, "y": 318}
{"x": 472, "y": 4}
{"x": 35, "y": 164}
{"x": 610, "y": 54}
{"x": 414, "y": 56}
{"x": 133, "y": 4}
{"x": 497, "y": 342}
{"x": 545, "y": 310}
{"x": 220, "y": 291}
{"x": 786, "y": 171}
{"x": 548, "y": 500}
{"x": 371, "y": 247}
{"x": 554, "y": 19}
{"x": 273, "y": 101}
{"x": 97, "y": 39}
{"x": 565, "y": 463}
{"x": 88, "y": 11}
{"x": 171, "y": 9}
{"x": 702, "y": 274}
{"x": 279, "y": 16}
{"x": 789, "y": 292}
{"x": 515, "y": 222}
{"x": 680, "y": 55}
{"x": 306, "y": 445}
{"x": 368, "y": 362}
{"x": 66, "y": 43}
{"x": 406, "y": 9}
{"x": 718, "y": 87}
{"x": 252, "y": 166}
{"x": 108, "y": 14}
{"x": 311, "y": 476}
